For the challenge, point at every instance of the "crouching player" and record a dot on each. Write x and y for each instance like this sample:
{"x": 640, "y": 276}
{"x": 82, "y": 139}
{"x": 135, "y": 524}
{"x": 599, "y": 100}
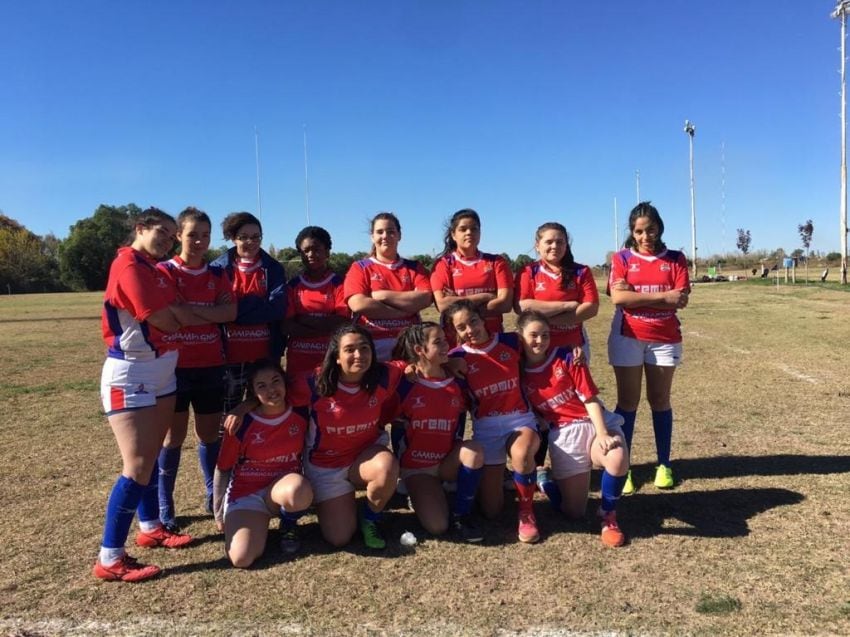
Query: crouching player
{"x": 581, "y": 432}
{"x": 433, "y": 408}
{"x": 259, "y": 467}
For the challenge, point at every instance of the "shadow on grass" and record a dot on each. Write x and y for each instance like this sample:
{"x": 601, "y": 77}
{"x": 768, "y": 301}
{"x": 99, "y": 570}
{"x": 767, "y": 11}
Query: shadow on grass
{"x": 720, "y": 513}
{"x": 737, "y": 466}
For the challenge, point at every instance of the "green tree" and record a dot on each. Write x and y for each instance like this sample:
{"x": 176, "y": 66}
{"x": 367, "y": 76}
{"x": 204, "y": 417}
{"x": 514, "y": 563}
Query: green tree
{"x": 26, "y": 262}
{"x": 85, "y": 255}
{"x": 426, "y": 260}
{"x": 744, "y": 240}
{"x": 521, "y": 261}
{"x": 806, "y": 230}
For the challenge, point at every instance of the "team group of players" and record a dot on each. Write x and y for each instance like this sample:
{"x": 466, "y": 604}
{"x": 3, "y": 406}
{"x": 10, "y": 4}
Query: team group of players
{"x": 184, "y": 333}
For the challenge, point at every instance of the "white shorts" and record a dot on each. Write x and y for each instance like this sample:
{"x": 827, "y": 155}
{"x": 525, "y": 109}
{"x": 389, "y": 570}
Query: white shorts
{"x": 493, "y": 433}
{"x": 252, "y": 502}
{"x": 624, "y": 351}
{"x": 328, "y": 482}
{"x": 569, "y": 446}
{"x": 127, "y": 385}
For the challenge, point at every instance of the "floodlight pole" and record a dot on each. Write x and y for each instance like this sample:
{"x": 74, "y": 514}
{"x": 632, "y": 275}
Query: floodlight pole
{"x": 616, "y": 229}
{"x": 690, "y": 129}
{"x": 840, "y": 12}
{"x": 257, "y": 158}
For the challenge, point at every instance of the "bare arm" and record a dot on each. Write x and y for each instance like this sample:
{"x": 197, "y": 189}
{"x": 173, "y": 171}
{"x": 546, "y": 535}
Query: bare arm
{"x": 373, "y": 308}
{"x": 224, "y": 313}
{"x": 444, "y": 298}
{"x": 409, "y": 302}
{"x": 165, "y": 320}
{"x": 623, "y": 296}
{"x": 502, "y": 302}
{"x": 604, "y": 438}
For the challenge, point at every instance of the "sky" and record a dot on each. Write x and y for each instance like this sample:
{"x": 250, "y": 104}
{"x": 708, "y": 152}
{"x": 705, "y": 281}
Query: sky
{"x": 527, "y": 112}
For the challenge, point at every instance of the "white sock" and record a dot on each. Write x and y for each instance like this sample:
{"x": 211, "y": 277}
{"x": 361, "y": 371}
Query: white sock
{"x": 108, "y": 556}
{"x": 149, "y": 525}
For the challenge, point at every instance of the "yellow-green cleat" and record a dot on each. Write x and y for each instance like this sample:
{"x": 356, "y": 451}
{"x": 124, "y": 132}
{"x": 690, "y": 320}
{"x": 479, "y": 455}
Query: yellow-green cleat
{"x": 663, "y": 477}
{"x": 372, "y": 536}
{"x": 629, "y": 486}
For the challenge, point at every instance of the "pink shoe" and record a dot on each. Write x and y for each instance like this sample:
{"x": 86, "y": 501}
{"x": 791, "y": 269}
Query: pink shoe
{"x": 527, "y": 531}
{"x": 611, "y": 534}
{"x": 161, "y": 536}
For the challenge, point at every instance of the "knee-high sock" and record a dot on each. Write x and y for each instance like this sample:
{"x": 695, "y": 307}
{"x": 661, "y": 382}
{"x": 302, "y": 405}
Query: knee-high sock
{"x": 662, "y": 424}
{"x": 149, "y": 504}
{"x": 467, "y": 485}
{"x": 526, "y": 485}
{"x": 207, "y": 457}
{"x": 169, "y": 463}
{"x": 120, "y": 509}
{"x": 612, "y": 488}
{"x": 628, "y": 424}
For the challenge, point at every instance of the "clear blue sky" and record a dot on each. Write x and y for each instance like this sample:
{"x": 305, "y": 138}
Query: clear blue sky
{"x": 525, "y": 111}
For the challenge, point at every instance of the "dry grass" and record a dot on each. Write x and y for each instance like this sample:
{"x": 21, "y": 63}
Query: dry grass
{"x": 753, "y": 540}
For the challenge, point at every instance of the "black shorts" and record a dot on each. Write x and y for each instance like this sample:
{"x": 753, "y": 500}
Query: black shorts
{"x": 202, "y": 387}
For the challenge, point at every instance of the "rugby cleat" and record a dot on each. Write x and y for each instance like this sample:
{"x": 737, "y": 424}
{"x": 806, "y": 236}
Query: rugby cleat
{"x": 163, "y": 536}
{"x": 527, "y": 529}
{"x": 127, "y": 569}
{"x": 290, "y": 544}
{"x": 629, "y": 485}
{"x": 465, "y": 529}
{"x": 611, "y": 534}
{"x": 372, "y": 536}
{"x": 664, "y": 477}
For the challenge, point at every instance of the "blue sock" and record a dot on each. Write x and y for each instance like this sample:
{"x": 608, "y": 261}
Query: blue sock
{"x": 467, "y": 485}
{"x": 149, "y": 504}
{"x": 120, "y": 509}
{"x": 662, "y": 424}
{"x": 550, "y": 488}
{"x": 290, "y": 518}
{"x": 369, "y": 514}
{"x": 169, "y": 462}
{"x": 611, "y": 487}
{"x": 628, "y": 424}
{"x": 207, "y": 457}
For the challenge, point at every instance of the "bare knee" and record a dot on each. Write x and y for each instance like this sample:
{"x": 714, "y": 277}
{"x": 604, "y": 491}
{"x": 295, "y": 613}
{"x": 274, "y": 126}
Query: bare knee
{"x": 472, "y": 454}
{"x": 241, "y": 559}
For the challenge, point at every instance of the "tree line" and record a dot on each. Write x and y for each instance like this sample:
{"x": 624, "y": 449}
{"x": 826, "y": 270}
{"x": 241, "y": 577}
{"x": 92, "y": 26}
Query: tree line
{"x": 80, "y": 262}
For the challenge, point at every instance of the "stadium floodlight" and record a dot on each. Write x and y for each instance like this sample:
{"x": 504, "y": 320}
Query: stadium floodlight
{"x": 690, "y": 129}
{"x": 840, "y": 12}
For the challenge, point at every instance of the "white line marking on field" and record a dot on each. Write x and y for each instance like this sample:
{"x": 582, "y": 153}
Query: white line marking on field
{"x": 798, "y": 375}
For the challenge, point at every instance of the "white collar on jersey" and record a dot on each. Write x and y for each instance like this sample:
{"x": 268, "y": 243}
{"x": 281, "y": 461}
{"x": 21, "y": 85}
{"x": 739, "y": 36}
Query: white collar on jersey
{"x": 648, "y": 257}
{"x": 316, "y": 284}
{"x": 180, "y": 264}
{"x": 272, "y": 422}
{"x": 484, "y": 350}
{"x": 549, "y": 358}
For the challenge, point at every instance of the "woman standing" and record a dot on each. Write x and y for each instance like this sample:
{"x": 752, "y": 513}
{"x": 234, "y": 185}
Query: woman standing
{"x": 464, "y": 272}
{"x": 315, "y": 306}
{"x": 385, "y": 292}
{"x": 565, "y": 293}
{"x": 559, "y": 288}
{"x": 259, "y": 285}
{"x": 648, "y": 284}
{"x": 137, "y": 390}
{"x": 200, "y": 368}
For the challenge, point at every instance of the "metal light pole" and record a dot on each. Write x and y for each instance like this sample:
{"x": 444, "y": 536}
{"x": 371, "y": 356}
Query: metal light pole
{"x": 840, "y": 12}
{"x": 690, "y": 129}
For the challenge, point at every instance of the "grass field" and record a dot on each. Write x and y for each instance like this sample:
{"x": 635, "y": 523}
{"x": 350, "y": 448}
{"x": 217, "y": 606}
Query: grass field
{"x": 752, "y": 541}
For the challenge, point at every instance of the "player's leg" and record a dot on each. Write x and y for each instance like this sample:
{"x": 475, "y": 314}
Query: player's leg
{"x": 429, "y": 502}
{"x": 245, "y": 534}
{"x": 521, "y": 447}
{"x": 659, "y": 382}
{"x": 375, "y": 469}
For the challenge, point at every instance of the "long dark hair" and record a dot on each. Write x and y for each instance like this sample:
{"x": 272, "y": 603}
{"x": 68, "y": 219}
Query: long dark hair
{"x": 327, "y": 380}
{"x": 449, "y": 244}
{"x": 411, "y": 337}
{"x": 147, "y": 218}
{"x": 645, "y": 209}
{"x": 567, "y": 264}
